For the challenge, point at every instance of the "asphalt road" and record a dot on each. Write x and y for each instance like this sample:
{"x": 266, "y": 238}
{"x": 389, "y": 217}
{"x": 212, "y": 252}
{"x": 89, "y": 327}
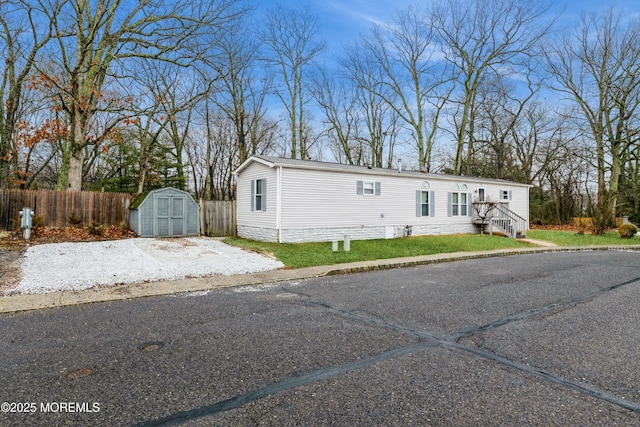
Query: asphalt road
{"x": 537, "y": 339}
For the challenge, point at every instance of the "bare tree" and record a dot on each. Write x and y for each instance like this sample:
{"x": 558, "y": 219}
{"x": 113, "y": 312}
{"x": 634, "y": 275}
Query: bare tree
{"x": 220, "y": 149}
{"x": 163, "y": 113}
{"x": 409, "y": 76}
{"x": 484, "y": 211}
{"x": 498, "y": 113}
{"x": 377, "y": 130}
{"x": 480, "y": 38}
{"x": 291, "y": 38}
{"x": 24, "y": 31}
{"x": 241, "y": 89}
{"x": 377, "y": 126}
{"x": 95, "y": 39}
{"x": 337, "y": 100}
{"x": 598, "y": 68}
{"x": 566, "y": 179}
{"x": 540, "y": 138}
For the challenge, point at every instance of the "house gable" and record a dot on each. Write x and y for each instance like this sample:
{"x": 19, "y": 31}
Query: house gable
{"x": 248, "y": 175}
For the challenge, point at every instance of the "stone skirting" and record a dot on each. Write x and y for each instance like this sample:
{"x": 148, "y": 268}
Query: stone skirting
{"x": 302, "y": 235}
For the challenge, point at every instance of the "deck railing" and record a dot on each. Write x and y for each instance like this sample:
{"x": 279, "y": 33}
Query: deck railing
{"x": 498, "y": 215}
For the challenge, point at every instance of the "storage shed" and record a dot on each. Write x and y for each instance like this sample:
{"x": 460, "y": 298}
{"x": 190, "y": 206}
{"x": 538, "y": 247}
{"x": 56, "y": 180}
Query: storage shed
{"x": 166, "y": 212}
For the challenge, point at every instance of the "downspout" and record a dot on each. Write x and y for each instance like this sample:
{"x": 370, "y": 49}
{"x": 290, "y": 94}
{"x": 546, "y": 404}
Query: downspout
{"x": 528, "y": 212}
{"x": 279, "y": 203}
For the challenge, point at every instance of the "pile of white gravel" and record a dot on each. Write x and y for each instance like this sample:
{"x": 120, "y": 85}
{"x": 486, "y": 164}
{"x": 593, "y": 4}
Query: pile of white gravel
{"x": 74, "y": 266}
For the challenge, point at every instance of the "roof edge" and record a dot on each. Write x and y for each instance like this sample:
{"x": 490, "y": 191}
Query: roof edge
{"x": 337, "y": 167}
{"x": 251, "y": 159}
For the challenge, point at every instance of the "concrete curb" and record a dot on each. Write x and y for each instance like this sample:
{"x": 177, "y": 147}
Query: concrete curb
{"x": 17, "y": 303}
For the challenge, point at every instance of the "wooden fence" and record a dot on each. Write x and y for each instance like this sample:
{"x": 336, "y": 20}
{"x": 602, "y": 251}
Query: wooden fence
{"x": 218, "y": 217}
{"x": 57, "y": 207}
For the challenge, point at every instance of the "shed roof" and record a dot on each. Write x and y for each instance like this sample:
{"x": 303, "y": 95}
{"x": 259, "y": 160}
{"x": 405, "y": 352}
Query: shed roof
{"x": 340, "y": 167}
{"x": 143, "y": 196}
{"x": 139, "y": 198}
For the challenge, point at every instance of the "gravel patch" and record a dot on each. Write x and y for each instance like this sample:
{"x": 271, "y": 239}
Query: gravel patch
{"x": 75, "y": 266}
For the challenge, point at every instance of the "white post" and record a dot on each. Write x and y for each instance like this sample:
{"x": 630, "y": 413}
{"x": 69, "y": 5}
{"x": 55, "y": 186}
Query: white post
{"x": 334, "y": 246}
{"x": 347, "y": 243}
{"x": 26, "y": 222}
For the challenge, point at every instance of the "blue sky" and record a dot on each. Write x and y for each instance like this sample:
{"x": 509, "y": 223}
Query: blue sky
{"x": 342, "y": 21}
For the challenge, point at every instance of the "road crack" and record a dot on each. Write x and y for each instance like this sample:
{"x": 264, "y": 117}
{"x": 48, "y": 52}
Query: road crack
{"x": 426, "y": 340}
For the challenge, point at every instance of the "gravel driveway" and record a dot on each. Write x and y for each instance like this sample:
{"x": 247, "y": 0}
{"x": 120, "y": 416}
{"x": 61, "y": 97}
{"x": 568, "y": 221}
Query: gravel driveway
{"x": 74, "y": 266}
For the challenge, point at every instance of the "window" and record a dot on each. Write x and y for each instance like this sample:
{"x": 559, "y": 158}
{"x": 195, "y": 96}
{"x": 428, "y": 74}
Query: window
{"x": 259, "y": 195}
{"x": 459, "y": 204}
{"x": 505, "y": 194}
{"x": 459, "y": 201}
{"x": 481, "y": 194}
{"x": 425, "y": 201}
{"x": 368, "y": 188}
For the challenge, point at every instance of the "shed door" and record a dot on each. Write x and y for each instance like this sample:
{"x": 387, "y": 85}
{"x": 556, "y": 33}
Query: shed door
{"x": 163, "y": 217}
{"x": 170, "y": 216}
{"x": 177, "y": 216}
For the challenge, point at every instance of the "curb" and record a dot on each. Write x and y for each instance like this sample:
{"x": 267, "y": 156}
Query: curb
{"x": 18, "y": 303}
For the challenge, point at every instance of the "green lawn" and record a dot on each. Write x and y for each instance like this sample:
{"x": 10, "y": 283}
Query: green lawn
{"x": 571, "y": 238}
{"x": 297, "y": 255}
{"x": 312, "y": 254}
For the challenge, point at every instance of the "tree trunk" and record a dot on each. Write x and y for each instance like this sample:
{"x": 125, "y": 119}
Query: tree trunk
{"x": 614, "y": 180}
{"x": 4, "y": 163}
{"x": 63, "y": 177}
{"x": 462, "y": 131}
{"x": 76, "y": 163}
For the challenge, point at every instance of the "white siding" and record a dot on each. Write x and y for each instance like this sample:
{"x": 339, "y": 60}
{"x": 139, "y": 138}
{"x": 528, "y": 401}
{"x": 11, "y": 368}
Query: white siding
{"x": 245, "y": 217}
{"x": 323, "y": 205}
{"x": 328, "y": 199}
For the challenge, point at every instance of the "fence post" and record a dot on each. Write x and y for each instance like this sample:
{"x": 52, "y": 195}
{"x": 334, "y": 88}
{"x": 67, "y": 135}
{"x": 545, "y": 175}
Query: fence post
{"x": 203, "y": 232}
